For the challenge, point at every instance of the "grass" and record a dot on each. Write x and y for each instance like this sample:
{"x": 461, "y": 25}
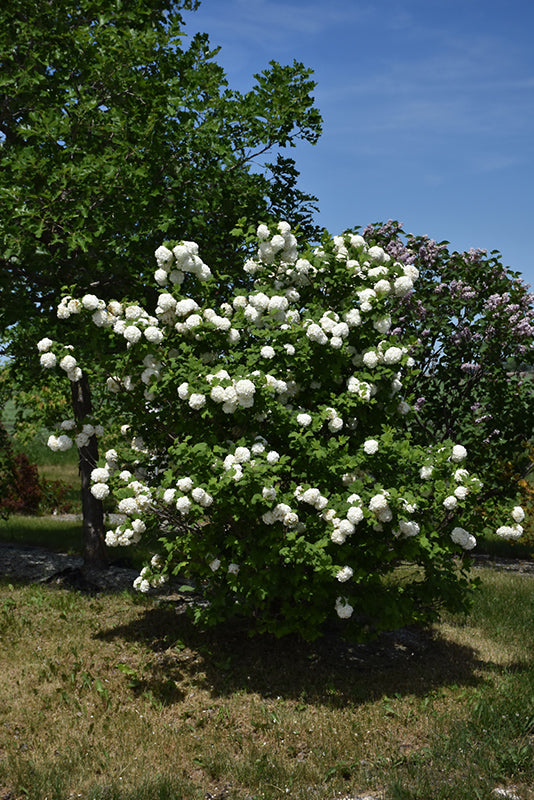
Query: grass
{"x": 118, "y": 697}
{"x": 55, "y": 533}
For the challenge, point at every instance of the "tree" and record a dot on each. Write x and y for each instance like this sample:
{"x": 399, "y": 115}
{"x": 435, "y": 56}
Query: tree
{"x": 114, "y": 134}
{"x": 472, "y": 321}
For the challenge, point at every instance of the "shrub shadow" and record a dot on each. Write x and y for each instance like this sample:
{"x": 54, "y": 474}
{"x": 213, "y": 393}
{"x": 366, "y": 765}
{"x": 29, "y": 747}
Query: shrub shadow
{"x": 328, "y": 671}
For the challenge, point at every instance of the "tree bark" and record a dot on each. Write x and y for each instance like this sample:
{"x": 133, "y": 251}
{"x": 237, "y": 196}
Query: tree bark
{"x": 93, "y": 544}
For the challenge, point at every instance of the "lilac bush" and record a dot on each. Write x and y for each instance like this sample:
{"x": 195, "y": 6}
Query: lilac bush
{"x": 472, "y": 322}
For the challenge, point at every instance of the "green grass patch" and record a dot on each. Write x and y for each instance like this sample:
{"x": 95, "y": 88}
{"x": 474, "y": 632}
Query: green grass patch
{"x": 121, "y": 697}
{"x": 54, "y": 533}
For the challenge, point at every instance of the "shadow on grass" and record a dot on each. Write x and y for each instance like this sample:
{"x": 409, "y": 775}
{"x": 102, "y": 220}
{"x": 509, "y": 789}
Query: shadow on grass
{"x": 328, "y": 671}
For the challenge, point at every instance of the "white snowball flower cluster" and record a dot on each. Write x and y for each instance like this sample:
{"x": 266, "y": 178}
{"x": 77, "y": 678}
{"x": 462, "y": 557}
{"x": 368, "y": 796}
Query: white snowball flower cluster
{"x": 312, "y": 496}
{"x": 59, "y": 443}
{"x": 48, "y": 359}
{"x": 174, "y": 264}
{"x": 189, "y": 494}
{"x": 344, "y": 574}
{"x": 64, "y": 442}
{"x": 126, "y": 533}
{"x": 343, "y": 609}
{"x": 466, "y": 540}
{"x": 282, "y": 244}
{"x": 459, "y": 453}
{"x": 282, "y": 512}
{"x": 370, "y": 447}
{"x": 231, "y": 394}
{"x": 362, "y": 389}
{"x": 378, "y": 504}
{"x": 514, "y": 531}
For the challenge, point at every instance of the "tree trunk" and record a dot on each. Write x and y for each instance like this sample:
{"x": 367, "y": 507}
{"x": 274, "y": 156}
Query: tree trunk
{"x": 93, "y": 545}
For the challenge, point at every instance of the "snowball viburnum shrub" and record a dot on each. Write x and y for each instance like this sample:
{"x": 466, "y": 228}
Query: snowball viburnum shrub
{"x": 264, "y": 446}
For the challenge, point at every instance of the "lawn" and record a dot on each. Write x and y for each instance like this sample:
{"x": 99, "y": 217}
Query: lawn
{"x": 119, "y": 697}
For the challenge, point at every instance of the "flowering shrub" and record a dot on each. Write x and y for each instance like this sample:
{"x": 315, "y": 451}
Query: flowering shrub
{"x": 472, "y": 323}
{"x": 264, "y": 446}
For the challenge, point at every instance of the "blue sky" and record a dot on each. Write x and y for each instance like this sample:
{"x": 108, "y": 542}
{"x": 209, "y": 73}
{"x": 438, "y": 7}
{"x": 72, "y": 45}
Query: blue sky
{"x": 428, "y": 109}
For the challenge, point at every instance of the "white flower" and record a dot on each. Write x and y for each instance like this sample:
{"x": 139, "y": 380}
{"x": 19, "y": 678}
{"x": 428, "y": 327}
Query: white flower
{"x": 183, "y": 391}
{"x": 183, "y": 505}
{"x": 138, "y": 526}
{"x": 164, "y": 256}
{"x": 186, "y": 306}
{"x": 460, "y": 475}
{"x": 343, "y": 609}
{"x": 383, "y": 287}
{"x": 510, "y": 531}
{"x": 202, "y": 497}
{"x": 242, "y": 455}
{"x": 268, "y": 493}
{"x": 267, "y": 352}
{"x": 128, "y": 505}
{"x": 44, "y": 345}
{"x": 100, "y": 475}
{"x": 68, "y": 363}
{"x": 426, "y": 472}
{"x": 409, "y": 527}
{"x": 337, "y": 536}
{"x": 272, "y": 457}
{"x": 153, "y": 334}
{"x": 461, "y": 492}
{"x": 161, "y": 277}
{"x": 355, "y": 515}
{"x": 304, "y": 420}
{"x": 392, "y": 355}
{"x": 64, "y": 442}
{"x": 100, "y": 490}
{"x": 197, "y": 401}
{"x": 91, "y": 302}
{"x": 344, "y": 574}
{"x": 132, "y": 334}
{"x": 335, "y": 424}
{"x": 402, "y": 286}
{"x": 48, "y": 360}
{"x": 263, "y": 232}
{"x": 370, "y": 447}
{"x": 458, "y": 453}
{"x": 111, "y": 539}
{"x": 378, "y": 503}
{"x": 82, "y": 439}
{"x": 463, "y": 538}
{"x": 353, "y": 318}
{"x": 382, "y": 325}
{"x": 518, "y": 514}
{"x": 215, "y": 564}
{"x": 193, "y": 321}
{"x": 169, "y": 495}
{"x": 450, "y": 502}
{"x": 233, "y": 569}
{"x": 345, "y": 527}
{"x": 315, "y": 333}
{"x": 370, "y": 359}
{"x": 361, "y": 388}
{"x": 141, "y": 584}
{"x": 184, "y": 484}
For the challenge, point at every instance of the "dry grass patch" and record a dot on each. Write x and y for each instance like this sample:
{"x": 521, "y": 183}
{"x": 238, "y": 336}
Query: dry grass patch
{"x": 121, "y": 697}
